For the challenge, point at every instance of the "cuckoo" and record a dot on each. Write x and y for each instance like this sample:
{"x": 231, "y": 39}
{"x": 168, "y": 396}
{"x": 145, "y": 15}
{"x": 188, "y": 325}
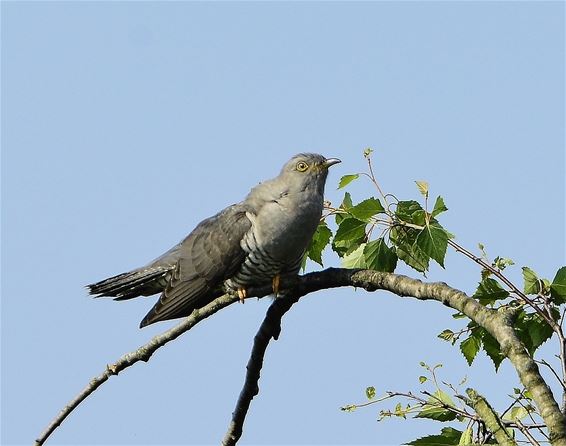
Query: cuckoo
{"x": 252, "y": 243}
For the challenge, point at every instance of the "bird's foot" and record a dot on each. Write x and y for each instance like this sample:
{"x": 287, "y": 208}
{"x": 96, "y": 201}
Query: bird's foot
{"x": 275, "y": 284}
{"x": 242, "y": 294}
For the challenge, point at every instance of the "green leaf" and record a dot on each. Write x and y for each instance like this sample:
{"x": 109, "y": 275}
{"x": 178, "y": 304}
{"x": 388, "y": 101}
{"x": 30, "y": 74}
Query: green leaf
{"x": 345, "y": 205}
{"x": 434, "y": 409}
{"x": 466, "y": 438}
{"x": 355, "y": 259}
{"x": 407, "y": 250}
{"x": 439, "y": 206}
{"x": 399, "y": 410}
{"x": 319, "y": 241}
{"x": 347, "y": 201}
{"x": 367, "y": 209}
{"x": 422, "y": 379}
{"x": 367, "y": 152}
{"x": 489, "y": 291}
{"x": 516, "y": 413}
{"x": 351, "y": 232}
{"x": 470, "y": 348}
{"x": 533, "y": 330}
{"x": 492, "y": 348}
{"x": 532, "y": 285}
{"x": 448, "y": 437}
{"x": 502, "y": 262}
{"x": 370, "y": 392}
{"x": 411, "y": 212}
{"x": 447, "y": 335}
{"x": 422, "y": 186}
{"x": 558, "y": 286}
{"x": 347, "y": 179}
{"x": 433, "y": 241}
{"x": 379, "y": 256}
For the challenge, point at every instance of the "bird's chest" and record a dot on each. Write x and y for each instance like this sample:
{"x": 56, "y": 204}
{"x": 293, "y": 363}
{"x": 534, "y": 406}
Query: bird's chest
{"x": 285, "y": 227}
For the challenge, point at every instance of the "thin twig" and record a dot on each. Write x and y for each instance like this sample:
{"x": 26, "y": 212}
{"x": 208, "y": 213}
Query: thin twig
{"x": 543, "y": 362}
{"x": 526, "y": 433}
{"x": 505, "y": 280}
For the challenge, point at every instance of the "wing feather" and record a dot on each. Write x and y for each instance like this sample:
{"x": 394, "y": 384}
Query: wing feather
{"x": 208, "y": 256}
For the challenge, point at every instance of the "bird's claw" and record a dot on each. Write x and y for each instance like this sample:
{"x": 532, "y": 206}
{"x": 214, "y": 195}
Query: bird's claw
{"x": 242, "y": 294}
{"x": 275, "y": 284}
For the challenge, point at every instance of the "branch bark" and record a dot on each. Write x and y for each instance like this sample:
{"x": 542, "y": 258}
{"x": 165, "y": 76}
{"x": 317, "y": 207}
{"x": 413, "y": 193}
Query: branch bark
{"x": 490, "y": 418}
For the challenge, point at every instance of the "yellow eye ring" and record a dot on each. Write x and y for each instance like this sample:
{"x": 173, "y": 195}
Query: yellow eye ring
{"x": 302, "y": 166}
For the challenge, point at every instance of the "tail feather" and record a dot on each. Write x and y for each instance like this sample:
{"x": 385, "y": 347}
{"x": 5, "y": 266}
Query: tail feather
{"x": 140, "y": 282}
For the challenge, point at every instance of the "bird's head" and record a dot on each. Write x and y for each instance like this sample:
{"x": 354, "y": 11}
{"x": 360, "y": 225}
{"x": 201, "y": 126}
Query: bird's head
{"x": 308, "y": 170}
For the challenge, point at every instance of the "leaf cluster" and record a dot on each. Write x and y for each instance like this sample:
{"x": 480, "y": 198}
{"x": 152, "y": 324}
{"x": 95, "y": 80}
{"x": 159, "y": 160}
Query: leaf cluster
{"x": 408, "y": 233}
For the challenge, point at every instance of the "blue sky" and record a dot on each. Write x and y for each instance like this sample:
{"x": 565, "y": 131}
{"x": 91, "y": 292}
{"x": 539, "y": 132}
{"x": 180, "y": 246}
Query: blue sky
{"x": 126, "y": 123}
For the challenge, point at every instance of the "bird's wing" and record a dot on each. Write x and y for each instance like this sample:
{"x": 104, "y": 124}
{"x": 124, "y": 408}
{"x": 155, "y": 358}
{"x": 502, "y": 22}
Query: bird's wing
{"x": 209, "y": 255}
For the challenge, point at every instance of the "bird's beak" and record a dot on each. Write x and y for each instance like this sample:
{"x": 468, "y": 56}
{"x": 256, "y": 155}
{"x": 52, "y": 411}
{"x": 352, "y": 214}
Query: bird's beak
{"x": 330, "y": 162}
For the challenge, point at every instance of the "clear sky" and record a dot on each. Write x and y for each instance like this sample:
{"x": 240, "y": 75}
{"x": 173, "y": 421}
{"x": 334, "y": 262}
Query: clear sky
{"x": 126, "y": 123}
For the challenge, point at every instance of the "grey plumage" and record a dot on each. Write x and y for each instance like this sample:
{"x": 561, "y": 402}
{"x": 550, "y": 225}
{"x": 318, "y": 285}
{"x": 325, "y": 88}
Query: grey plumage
{"x": 246, "y": 244}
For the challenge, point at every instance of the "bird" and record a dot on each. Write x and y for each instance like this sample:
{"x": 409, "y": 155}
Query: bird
{"x": 253, "y": 243}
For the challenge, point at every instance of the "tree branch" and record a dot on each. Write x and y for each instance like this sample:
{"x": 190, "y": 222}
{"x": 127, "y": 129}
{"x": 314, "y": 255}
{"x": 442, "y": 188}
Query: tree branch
{"x": 143, "y": 353}
{"x": 490, "y": 418}
{"x": 498, "y": 324}
{"x": 270, "y": 328}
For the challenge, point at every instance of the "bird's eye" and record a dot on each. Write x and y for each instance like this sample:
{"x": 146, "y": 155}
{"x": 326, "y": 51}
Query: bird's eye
{"x": 302, "y": 166}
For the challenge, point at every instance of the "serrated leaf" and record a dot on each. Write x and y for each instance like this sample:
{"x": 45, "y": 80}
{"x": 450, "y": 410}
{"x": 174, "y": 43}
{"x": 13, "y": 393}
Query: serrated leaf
{"x": 411, "y": 212}
{"x": 355, "y": 259}
{"x": 434, "y": 409}
{"x": 532, "y": 285}
{"x": 447, "y": 335}
{"x": 558, "y": 286}
{"x": 491, "y": 348}
{"x": 347, "y": 179}
{"x": 320, "y": 239}
{"x": 345, "y": 205}
{"x": 466, "y": 437}
{"x": 433, "y": 241}
{"x": 370, "y": 392}
{"x": 489, "y": 291}
{"x": 448, "y": 437}
{"x": 439, "y": 206}
{"x": 470, "y": 348}
{"x": 379, "y": 256}
{"x": 422, "y": 186}
{"x": 367, "y": 209}
{"x": 404, "y": 240}
{"x": 349, "y": 235}
{"x": 533, "y": 330}
{"x": 347, "y": 201}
